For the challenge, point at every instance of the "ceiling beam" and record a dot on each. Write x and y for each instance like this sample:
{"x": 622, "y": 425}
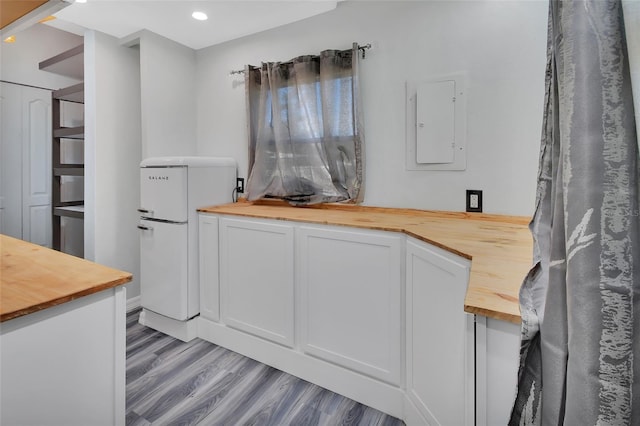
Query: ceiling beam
{"x": 17, "y": 15}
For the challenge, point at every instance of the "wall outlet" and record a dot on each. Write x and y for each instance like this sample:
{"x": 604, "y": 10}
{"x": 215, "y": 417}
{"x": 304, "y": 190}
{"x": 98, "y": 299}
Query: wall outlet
{"x": 474, "y": 200}
{"x": 240, "y": 185}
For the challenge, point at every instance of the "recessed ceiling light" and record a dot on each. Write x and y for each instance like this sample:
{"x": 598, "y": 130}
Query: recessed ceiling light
{"x": 81, "y": 1}
{"x": 10, "y": 39}
{"x": 200, "y": 16}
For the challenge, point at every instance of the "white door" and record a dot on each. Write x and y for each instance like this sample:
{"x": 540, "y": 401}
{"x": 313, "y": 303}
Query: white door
{"x": 164, "y": 268}
{"x": 25, "y": 169}
{"x": 11, "y": 160}
{"x": 36, "y": 170}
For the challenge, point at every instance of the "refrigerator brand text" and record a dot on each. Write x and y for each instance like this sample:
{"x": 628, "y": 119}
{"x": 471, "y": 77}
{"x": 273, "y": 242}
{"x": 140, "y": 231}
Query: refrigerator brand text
{"x": 158, "y": 177}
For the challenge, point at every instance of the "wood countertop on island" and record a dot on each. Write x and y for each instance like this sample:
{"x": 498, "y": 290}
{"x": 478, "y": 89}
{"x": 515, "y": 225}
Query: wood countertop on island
{"x": 500, "y": 247}
{"x": 33, "y": 278}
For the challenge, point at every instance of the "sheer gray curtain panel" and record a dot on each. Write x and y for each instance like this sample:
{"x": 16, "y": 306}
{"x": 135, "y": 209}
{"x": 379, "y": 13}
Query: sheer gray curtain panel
{"x": 305, "y": 129}
{"x": 580, "y": 304}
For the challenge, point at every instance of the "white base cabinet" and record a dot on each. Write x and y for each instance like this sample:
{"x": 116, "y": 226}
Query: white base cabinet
{"x": 66, "y": 365}
{"x": 375, "y": 316}
{"x": 497, "y": 360}
{"x": 440, "y": 336}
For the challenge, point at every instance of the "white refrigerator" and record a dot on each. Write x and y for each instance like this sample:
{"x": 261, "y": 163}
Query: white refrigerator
{"x": 171, "y": 190}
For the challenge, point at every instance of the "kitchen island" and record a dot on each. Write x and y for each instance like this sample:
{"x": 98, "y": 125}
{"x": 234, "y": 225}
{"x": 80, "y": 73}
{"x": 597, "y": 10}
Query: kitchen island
{"x": 412, "y": 312}
{"x": 62, "y": 338}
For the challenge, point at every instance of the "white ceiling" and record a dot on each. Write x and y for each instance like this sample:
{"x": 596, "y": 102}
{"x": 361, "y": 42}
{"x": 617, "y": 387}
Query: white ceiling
{"x": 172, "y": 19}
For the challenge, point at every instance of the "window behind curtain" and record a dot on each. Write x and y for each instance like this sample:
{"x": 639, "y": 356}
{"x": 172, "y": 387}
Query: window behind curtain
{"x": 305, "y": 135}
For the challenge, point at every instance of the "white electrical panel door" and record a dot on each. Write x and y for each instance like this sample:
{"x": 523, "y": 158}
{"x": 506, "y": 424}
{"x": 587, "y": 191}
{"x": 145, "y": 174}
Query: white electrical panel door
{"x": 435, "y": 122}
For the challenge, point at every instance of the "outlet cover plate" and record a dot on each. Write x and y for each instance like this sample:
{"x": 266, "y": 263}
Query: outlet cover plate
{"x": 474, "y": 200}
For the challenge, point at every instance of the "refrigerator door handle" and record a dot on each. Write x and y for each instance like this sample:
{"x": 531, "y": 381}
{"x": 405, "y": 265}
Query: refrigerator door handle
{"x": 141, "y": 210}
{"x": 145, "y": 228}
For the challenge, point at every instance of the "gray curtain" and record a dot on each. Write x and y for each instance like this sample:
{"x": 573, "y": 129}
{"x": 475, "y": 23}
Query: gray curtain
{"x": 580, "y": 304}
{"x": 305, "y": 129}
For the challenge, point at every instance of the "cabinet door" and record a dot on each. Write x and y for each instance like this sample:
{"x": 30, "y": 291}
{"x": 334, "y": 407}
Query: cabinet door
{"x": 350, "y": 299}
{"x": 440, "y": 372}
{"x": 256, "y": 278}
{"x": 497, "y": 361}
{"x": 209, "y": 264}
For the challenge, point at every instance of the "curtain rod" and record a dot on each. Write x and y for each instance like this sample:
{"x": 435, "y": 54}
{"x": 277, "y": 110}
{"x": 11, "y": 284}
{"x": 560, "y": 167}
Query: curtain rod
{"x": 362, "y": 49}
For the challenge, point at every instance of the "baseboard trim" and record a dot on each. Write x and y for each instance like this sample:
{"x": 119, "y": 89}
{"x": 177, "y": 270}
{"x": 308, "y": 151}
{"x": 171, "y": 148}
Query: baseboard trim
{"x": 366, "y": 390}
{"x": 182, "y": 330}
{"x": 133, "y": 303}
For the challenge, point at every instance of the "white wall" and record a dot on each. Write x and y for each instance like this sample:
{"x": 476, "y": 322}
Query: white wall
{"x": 168, "y": 93}
{"x": 19, "y": 61}
{"x": 500, "y": 45}
{"x": 112, "y": 155}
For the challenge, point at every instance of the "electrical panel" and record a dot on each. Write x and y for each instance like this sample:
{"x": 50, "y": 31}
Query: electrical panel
{"x": 435, "y": 122}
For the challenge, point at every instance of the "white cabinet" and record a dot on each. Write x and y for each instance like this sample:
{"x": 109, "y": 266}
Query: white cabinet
{"x": 373, "y": 315}
{"x": 440, "y": 344}
{"x": 497, "y": 360}
{"x": 209, "y": 266}
{"x": 256, "y": 278}
{"x": 66, "y": 365}
{"x": 350, "y": 299}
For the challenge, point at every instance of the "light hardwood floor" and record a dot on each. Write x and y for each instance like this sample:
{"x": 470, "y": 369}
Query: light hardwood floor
{"x": 170, "y": 382}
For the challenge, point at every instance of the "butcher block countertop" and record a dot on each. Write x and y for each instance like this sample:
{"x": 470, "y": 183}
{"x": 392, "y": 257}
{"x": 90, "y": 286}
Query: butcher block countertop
{"x": 500, "y": 247}
{"x": 33, "y": 278}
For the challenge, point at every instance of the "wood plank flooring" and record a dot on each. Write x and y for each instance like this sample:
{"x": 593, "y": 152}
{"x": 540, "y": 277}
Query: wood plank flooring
{"x": 170, "y": 382}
